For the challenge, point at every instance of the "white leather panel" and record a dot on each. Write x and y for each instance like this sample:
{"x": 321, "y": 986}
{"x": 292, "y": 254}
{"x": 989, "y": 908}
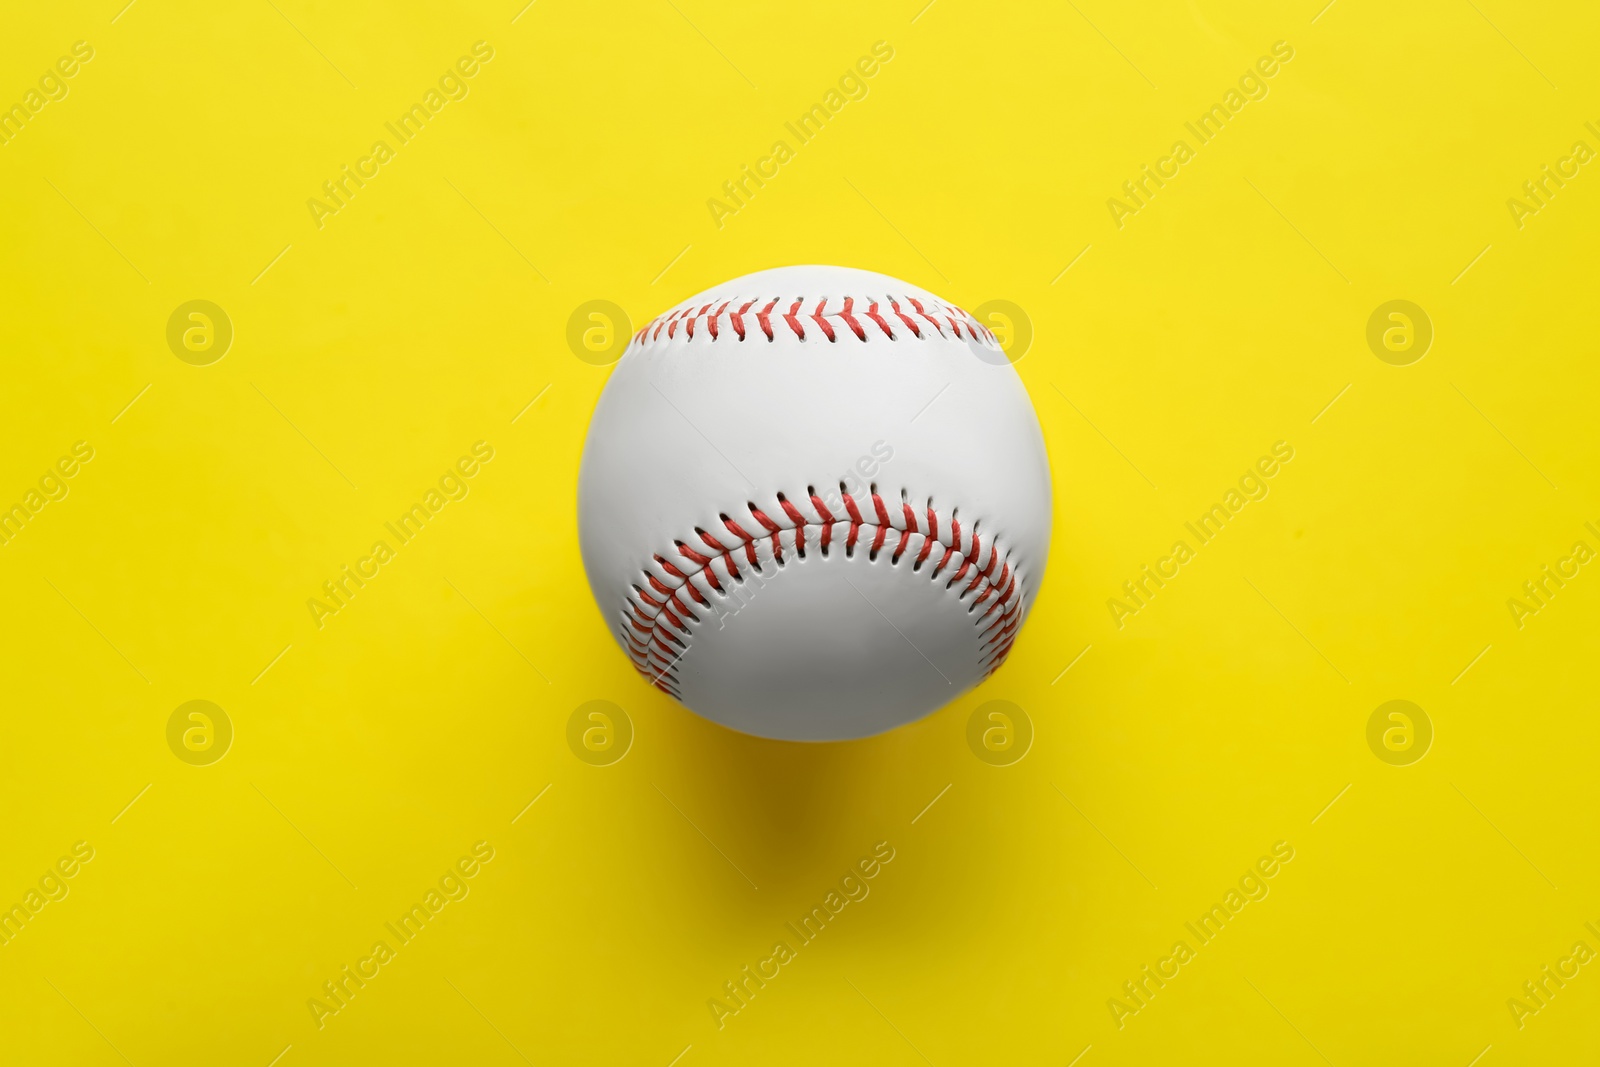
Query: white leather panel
{"x": 691, "y": 428}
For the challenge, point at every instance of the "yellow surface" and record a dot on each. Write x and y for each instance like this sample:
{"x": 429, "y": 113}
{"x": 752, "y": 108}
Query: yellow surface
{"x": 374, "y": 346}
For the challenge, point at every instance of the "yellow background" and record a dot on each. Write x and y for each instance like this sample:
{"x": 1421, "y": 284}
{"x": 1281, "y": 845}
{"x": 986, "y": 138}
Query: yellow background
{"x": 426, "y": 315}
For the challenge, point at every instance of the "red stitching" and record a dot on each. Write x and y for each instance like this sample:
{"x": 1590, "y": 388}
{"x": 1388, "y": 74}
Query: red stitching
{"x": 954, "y": 320}
{"x": 799, "y": 521}
{"x": 738, "y": 319}
{"x": 872, "y": 313}
{"x": 816, "y": 316}
{"x": 877, "y": 504}
{"x": 794, "y": 323}
{"x": 895, "y": 304}
{"x": 850, "y": 320}
{"x": 696, "y": 315}
{"x": 660, "y": 621}
{"x": 918, "y": 305}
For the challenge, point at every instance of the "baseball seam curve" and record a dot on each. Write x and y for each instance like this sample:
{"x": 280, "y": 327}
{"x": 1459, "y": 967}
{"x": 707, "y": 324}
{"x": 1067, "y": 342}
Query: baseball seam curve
{"x": 916, "y": 317}
{"x": 657, "y": 615}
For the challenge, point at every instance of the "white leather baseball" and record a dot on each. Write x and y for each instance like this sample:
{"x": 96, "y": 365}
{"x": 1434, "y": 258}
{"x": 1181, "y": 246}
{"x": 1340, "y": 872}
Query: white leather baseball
{"x": 814, "y": 503}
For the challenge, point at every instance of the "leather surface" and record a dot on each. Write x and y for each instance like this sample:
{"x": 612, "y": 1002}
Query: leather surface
{"x": 693, "y": 431}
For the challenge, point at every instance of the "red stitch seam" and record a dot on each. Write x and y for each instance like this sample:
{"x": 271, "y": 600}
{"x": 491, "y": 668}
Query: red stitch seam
{"x": 652, "y": 627}
{"x": 955, "y": 318}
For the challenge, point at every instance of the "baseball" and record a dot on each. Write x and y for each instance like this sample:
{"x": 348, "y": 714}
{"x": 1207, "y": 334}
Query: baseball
{"x": 814, "y": 503}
